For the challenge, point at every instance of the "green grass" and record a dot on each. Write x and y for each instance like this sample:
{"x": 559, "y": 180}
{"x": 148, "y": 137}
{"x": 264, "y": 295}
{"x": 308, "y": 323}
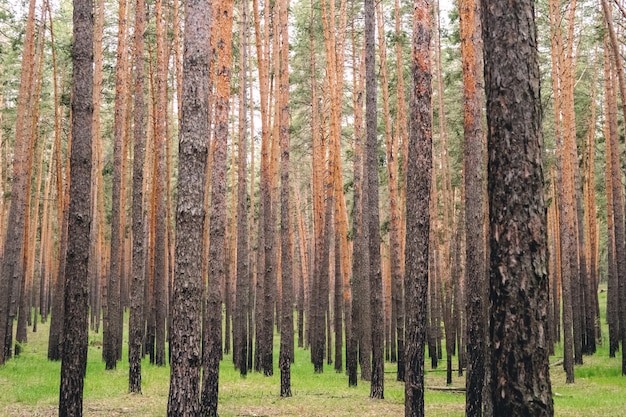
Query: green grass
{"x": 29, "y": 387}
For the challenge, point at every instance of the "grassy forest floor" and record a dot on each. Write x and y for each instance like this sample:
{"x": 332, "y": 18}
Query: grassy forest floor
{"x": 29, "y": 386}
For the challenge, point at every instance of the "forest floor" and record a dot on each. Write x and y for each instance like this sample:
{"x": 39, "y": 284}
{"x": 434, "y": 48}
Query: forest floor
{"x": 29, "y": 386}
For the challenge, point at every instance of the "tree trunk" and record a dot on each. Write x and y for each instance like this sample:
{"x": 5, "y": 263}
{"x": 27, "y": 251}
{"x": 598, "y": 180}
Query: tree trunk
{"x": 371, "y": 213}
{"x": 242, "y": 302}
{"x": 360, "y": 319}
{"x": 286, "y": 331}
{"x": 518, "y": 250}
{"x": 473, "y": 160}
{"x": 76, "y": 325}
{"x": 212, "y": 319}
{"x": 185, "y": 360}
{"x": 136, "y": 319}
{"x": 113, "y": 307}
{"x": 621, "y": 267}
{"x": 418, "y": 185}
{"x": 14, "y": 235}
{"x": 565, "y": 200}
{"x": 618, "y": 208}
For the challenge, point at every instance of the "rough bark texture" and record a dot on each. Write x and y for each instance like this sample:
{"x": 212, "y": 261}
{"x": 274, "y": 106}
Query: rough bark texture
{"x": 286, "y": 322}
{"x": 517, "y": 218}
{"x": 564, "y": 201}
{"x": 621, "y": 266}
{"x": 136, "y": 320}
{"x": 212, "y": 321}
{"x": 475, "y": 270}
{"x": 418, "y": 185}
{"x": 159, "y": 200}
{"x": 618, "y": 213}
{"x": 371, "y": 220}
{"x": 242, "y": 302}
{"x": 359, "y": 258}
{"x": 76, "y": 323}
{"x": 113, "y": 307}
{"x": 185, "y": 360}
{"x": 14, "y": 235}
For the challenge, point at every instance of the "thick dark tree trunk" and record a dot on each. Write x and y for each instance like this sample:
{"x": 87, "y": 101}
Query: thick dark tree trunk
{"x": 371, "y": 214}
{"x": 76, "y": 323}
{"x": 418, "y": 185}
{"x": 186, "y": 305}
{"x": 517, "y": 216}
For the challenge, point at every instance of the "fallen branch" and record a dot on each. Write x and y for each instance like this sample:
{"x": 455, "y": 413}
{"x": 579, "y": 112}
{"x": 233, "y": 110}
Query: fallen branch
{"x": 450, "y": 389}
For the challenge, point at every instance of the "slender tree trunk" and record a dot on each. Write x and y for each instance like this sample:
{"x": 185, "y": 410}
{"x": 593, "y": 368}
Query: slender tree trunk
{"x": 564, "y": 198}
{"x": 30, "y": 219}
{"x": 56, "y": 323}
{"x": 621, "y": 279}
{"x": 612, "y": 295}
{"x": 473, "y": 160}
{"x": 401, "y": 137}
{"x": 286, "y": 331}
{"x": 136, "y": 319}
{"x": 113, "y": 306}
{"x": 618, "y": 207}
{"x": 242, "y": 302}
{"x": 371, "y": 220}
{"x": 590, "y": 224}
